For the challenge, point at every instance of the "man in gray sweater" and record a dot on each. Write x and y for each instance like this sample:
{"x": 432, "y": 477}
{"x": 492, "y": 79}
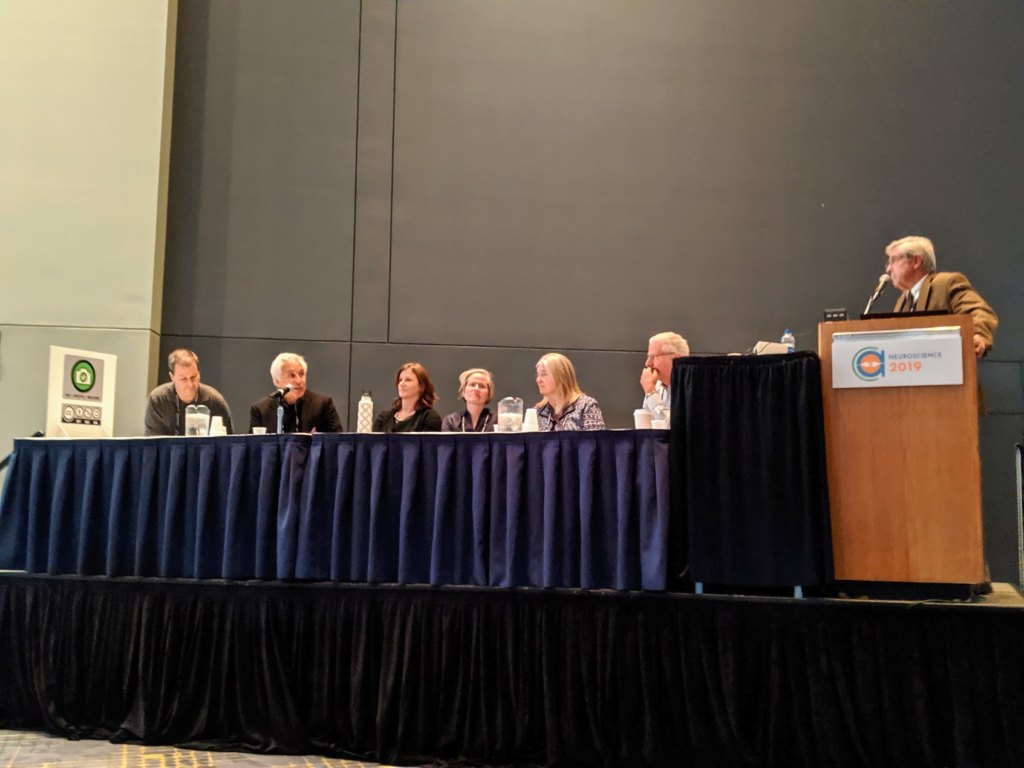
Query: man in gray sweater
{"x": 165, "y": 411}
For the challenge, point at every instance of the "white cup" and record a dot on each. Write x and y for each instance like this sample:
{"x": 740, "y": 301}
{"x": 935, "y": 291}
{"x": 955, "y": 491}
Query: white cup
{"x": 659, "y": 424}
{"x": 259, "y": 430}
{"x": 216, "y": 425}
{"x": 530, "y": 420}
{"x": 642, "y": 418}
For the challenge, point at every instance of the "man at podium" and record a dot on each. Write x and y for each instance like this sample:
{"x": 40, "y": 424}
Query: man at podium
{"x": 911, "y": 266}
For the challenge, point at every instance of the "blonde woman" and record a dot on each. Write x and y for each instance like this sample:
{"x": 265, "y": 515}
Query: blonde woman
{"x": 476, "y": 387}
{"x": 564, "y": 407}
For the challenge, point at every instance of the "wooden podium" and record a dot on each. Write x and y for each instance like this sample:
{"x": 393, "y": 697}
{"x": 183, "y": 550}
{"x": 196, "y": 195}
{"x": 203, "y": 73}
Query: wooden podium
{"x": 904, "y": 473}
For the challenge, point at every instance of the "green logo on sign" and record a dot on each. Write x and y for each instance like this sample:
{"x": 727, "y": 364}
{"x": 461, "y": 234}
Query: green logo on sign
{"x": 83, "y": 375}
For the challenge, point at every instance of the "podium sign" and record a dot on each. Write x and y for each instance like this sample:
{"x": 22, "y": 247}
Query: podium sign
{"x": 918, "y": 357}
{"x": 80, "y": 397}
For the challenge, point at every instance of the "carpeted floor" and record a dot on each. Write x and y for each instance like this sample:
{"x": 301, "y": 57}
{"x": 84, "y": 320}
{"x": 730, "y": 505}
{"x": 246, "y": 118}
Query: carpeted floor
{"x": 28, "y": 749}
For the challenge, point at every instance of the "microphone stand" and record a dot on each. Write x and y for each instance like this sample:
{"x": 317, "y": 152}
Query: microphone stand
{"x": 875, "y": 295}
{"x": 279, "y": 394}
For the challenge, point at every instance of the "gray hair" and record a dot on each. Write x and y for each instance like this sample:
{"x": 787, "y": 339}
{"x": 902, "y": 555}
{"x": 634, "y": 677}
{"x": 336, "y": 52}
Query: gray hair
{"x": 464, "y": 377}
{"x": 181, "y": 357}
{"x": 914, "y": 245}
{"x": 671, "y": 342}
{"x": 275, "y": 367}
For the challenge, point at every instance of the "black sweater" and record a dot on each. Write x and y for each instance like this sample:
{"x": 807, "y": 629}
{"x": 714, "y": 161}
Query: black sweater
{"x": 424, "y": 420}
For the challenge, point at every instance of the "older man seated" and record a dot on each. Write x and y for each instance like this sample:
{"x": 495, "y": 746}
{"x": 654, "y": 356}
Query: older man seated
{"x": 656, "y": 377}
{"x": 304, "y": 409}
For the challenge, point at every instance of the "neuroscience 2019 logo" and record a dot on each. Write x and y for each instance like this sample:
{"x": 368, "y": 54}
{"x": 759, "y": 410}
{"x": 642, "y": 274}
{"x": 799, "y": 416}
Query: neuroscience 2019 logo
{"x": 869, "y": 364}
{"x": 83, "y": 375}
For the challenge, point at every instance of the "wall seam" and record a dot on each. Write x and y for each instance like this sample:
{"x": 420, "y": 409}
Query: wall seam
{"x": 391, "y": 209}
{"x": 355, "y": 216}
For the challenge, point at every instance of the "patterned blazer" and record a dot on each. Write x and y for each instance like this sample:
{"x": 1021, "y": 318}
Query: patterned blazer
{"x": 584, "y": 415}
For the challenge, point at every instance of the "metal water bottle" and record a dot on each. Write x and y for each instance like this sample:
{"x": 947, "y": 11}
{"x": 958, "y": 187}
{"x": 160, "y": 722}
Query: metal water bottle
{"x": 364, "y": 413}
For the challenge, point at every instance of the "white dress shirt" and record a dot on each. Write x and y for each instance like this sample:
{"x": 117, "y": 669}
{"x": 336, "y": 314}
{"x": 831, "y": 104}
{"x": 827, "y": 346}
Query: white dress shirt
{"x": 659, "y": 401}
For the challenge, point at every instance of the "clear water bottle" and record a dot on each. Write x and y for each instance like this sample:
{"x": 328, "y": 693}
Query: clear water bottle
{"x": 789, "y": 340}
{"x": 364, "y": 413}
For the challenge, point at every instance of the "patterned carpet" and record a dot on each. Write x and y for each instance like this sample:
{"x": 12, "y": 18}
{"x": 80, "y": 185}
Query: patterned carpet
{"x": 27, "y": 749}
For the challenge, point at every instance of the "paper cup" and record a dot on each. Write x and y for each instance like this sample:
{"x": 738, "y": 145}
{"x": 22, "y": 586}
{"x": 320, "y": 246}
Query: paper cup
{"x": 530, "y": 420}
{"x": 259, "y": 430}
{"x": 642, "y": 418}
{"x": 659, "y": 424}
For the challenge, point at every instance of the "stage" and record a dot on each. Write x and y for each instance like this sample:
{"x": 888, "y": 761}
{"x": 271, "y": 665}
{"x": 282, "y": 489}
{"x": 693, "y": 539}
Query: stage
{"x": 407, "y": 674}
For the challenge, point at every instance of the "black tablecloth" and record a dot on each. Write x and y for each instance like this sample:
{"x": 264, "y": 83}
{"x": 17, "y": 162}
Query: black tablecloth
{"x": 748, "y": 471}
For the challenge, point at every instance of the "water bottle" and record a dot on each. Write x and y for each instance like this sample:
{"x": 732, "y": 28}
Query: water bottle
{"x": 280, "y": 418}
{"x": 364, "y": 414}
{"x": 789, "y": 340}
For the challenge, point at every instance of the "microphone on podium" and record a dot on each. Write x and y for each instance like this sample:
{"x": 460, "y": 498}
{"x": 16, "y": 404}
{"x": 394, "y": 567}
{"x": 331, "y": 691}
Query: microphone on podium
{"x": 281, "y": 392}
{"x": 883, "y": 281}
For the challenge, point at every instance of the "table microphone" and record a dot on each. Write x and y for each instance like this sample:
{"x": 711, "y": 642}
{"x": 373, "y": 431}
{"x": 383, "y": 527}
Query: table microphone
{"x": 281, "y": 392}
{"x": 883, "y": 281}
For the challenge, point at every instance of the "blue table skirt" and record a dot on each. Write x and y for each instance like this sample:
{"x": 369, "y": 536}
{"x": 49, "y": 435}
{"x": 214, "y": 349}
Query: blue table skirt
{"x": 567, "y": 509}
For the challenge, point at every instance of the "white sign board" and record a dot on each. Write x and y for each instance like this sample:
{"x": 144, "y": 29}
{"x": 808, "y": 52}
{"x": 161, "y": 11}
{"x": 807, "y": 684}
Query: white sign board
{"x": 918, "y": 357}
{"x": 80, "y": 398}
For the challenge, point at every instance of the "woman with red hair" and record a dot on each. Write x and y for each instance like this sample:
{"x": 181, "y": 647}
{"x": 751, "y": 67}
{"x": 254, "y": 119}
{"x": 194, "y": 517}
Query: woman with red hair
{"x": 412, "y": 410}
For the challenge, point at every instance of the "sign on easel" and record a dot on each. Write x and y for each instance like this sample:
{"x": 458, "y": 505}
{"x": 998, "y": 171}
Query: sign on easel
{"x": 80, "y": 397}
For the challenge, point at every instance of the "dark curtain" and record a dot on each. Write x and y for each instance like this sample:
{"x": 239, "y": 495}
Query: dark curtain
{"x": 749, "y": 487}
{"x": 502, "y": 676}
{"x": 583, "y": 509}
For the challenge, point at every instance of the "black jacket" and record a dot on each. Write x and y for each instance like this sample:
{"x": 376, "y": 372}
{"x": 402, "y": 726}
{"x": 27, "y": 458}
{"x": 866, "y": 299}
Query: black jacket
{"x": 315, "y": 411}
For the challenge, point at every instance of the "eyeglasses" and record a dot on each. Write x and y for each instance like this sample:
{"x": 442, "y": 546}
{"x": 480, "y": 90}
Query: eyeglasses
{"x": 660, "y": 354}
{"x": 893, "y": 259}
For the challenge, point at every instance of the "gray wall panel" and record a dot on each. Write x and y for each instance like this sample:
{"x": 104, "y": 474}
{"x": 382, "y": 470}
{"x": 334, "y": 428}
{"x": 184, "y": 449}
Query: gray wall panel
{"x": 372, "y": 271}
{"x": 263, "y": 170}
{"x": 240, "y": 369}
{"x": 999, "y": 435}
{"x": 1003, "y": 385}
{"x": 579, "y": 173}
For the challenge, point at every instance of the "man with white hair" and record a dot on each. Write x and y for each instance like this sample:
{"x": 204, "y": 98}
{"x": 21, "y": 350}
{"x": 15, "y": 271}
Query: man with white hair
{"x": 656, "y": 378}
{"x": 911, "y": 266}
{"x": 304, "y": 409}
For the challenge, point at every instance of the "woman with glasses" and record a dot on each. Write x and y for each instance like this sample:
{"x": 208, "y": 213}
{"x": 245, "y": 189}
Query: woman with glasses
{"x": 476, "y": 388}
